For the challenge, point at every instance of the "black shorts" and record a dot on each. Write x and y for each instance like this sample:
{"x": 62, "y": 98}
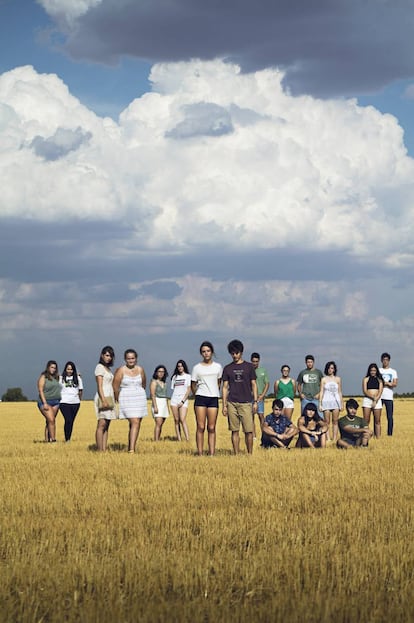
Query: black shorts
{"x": 206, "y": 401}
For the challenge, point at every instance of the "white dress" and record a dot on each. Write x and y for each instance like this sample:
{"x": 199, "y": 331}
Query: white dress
{"x": 132, "y": 398}
{"x": 107, "y": 378}
{"x": 330, "y": 399}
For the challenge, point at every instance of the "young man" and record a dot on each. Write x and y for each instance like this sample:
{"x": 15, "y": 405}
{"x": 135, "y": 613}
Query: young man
{"x": 262, "y": 380}
{"x": 353, "y": 429}
{"x": 308, "y": 383}
{"x": 277, "y": 429}
{"x": 239, "y": 390}
{"x": 390, "y": 377}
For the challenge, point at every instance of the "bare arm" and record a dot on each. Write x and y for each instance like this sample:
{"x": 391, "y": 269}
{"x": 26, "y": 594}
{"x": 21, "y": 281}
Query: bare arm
{"x": 143, "y": 377}
{"x": 225, "y": 396}
{"x": 153, "y": 387}
{"x": 40, "y": 387}
{"x": 116, "y": 383}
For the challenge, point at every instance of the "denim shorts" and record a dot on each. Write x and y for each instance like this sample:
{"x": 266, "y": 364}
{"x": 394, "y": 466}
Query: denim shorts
{"x": 51, "y": 403}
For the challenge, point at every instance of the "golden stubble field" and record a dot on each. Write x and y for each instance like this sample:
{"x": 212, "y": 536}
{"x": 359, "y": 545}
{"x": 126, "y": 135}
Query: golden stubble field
{"x": 163, "y": 535}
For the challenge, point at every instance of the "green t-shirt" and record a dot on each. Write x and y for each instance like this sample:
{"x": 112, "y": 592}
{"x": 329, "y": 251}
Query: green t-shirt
{"x": 310, "y": 381}
{"x": 261, "y": 379}
{"x": 356, "y": 422}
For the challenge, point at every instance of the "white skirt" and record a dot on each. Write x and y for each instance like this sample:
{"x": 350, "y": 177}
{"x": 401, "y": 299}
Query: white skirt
{"x": 162, "y": 405}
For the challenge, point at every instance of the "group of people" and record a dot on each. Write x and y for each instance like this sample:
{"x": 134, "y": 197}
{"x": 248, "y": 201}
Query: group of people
{"x": 243, "y": 386}
{"x": 62, "y": 392}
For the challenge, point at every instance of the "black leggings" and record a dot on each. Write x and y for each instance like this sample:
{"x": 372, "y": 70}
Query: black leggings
{"x": 69, "y": 413}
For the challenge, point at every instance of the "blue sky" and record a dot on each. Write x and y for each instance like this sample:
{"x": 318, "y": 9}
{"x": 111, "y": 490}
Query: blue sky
{"x": 174, "y": 171}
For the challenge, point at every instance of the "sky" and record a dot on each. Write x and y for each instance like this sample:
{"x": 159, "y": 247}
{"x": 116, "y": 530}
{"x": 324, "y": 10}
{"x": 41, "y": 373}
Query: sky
{"x": 173, "y": 171}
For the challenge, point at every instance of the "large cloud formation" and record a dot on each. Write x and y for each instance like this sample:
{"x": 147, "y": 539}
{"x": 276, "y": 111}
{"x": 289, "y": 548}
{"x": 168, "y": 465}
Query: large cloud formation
{"x": 210, "y": 157}
{"x": 325, "y": 47}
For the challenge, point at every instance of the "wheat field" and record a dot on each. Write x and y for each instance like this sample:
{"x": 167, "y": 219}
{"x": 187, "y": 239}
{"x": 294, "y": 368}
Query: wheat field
{"x": 164, "y": 535}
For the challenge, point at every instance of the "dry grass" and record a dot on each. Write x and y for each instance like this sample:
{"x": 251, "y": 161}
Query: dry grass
{"x": 165, "y": 536}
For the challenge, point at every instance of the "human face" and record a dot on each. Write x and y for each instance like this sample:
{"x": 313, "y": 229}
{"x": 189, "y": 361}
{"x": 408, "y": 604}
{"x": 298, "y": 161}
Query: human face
{"x": 236, "y": 357}
{"x": 161, "y": 373}
{"x": 352, "y": 412}
{"x": 310, "y": 413}
{"x": 331, "y": 370}
{"x": 277, "y": 411}
{"x": 255, "y": 361}
{"x": 309, "y": 364}
{"x": 69, "y": 370}
{"x": 180, "y": 368}
{"x": 130, "y": 360}
{"x": 385, "y": 362}
{"x": 52, "y": 368}
{"x": 207, "y": 354}
{"x": 107, "y": 357}
{"x": 373, "y": 371}
{"x": 285, "y": 372}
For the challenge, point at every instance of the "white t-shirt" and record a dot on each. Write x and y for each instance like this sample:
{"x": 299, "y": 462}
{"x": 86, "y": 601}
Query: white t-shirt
{"x": 388, "y": 374}
{"x": 69, "y": 392}
{"x": 207, "y": 377}
{"x": 179, "y": 385}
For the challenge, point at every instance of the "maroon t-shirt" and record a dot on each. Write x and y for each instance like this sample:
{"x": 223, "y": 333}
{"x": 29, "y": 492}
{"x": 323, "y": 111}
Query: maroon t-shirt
{"x": 239, "y": 377}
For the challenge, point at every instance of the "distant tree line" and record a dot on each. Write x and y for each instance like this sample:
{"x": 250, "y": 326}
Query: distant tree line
{"x": 14, "y": 394}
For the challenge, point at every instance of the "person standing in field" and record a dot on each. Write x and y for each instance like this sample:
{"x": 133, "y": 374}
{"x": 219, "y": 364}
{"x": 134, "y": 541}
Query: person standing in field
{"x": 129, "y": 390}
{"x": 104, "y": 398}
{"x": 309, "y": 382}
{"x": 372, "y": 386}
{"x": 262, "y": 381}
{"x": 181, "y": 390}
{"x": 312, "y": 428}
{"x": 390, "y": 378}
{"x": 277, "y": 430}
{"x": 330, "y": 398}
{"x": 159, "y": 399}
{"x": 49, "y": 398}
{"x": 239, "y": 396}
{"x": 205, "y": 385}
{"x": 285, "y": 390}
{"x": 354, "y": 430}
{"x": 71, "y": 395}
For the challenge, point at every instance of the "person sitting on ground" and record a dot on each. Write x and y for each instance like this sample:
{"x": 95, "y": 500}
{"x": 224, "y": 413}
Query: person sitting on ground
{"x": 277, "y": 429}
{"x": 312, "y": 428}
{"x": 353, "y": 429}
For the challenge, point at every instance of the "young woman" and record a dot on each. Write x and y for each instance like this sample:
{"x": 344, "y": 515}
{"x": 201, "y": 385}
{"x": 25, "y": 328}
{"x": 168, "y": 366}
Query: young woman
{"x": 49, "y": 397}
{"x": 372, "y": 386}
{"x": 205, "y": 385}
{"x": 181, "y": 388}
{"x": 129, "y": 390}
{"x": 285, "y": 390}
{"x": 104, "y": 397}
{"x": 330, "y": 398}
{"x": 71, "y": 389}
{"x": 312, "y": 429}
{"x": 158, "y": 392}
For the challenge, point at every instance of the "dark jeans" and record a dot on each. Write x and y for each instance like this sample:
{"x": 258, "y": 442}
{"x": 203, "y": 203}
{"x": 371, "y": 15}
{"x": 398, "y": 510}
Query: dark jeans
{"x": 389, "y": 410}
{"x": 69, "y": 413}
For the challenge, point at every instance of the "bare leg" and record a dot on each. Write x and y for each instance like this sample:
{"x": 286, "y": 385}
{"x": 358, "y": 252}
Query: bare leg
{"x": 377, "y": 423}
{"x": 159, "y": 422}
{"x": 327, "y": 419}
{"x": 201, "y": 415}
{"x": 235, "y": 440}
{"x": 248, "y": 437}
{"x": 335, "y": 430}
{"x": 183, "y": 421}
{"x": 134, "y": 427}
{"x": 366, "y": 412}
{"x": 288, "y": 412}
{"x": 176, "y": 414}
{"x": 211, "y": 429}
{"x": 101, "y": 435}
{"x": 49, "y": 413}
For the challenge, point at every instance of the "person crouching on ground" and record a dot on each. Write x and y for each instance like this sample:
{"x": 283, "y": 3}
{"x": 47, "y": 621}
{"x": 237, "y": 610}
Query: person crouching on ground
{"x": 277, "y": 429}
{"x": 353, "y": 429}
{"x": 312, "y": 429}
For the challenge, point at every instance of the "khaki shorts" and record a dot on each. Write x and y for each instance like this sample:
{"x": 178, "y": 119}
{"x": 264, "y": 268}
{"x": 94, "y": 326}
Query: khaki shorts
{"x": 240, "y": 412}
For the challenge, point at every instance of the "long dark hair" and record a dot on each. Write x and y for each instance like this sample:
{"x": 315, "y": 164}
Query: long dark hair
{"x": 110, "y": 350}
{"x": 74, "y": 374}
{"x": 377, "y": 374}
{"x": 176, "y": 367}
